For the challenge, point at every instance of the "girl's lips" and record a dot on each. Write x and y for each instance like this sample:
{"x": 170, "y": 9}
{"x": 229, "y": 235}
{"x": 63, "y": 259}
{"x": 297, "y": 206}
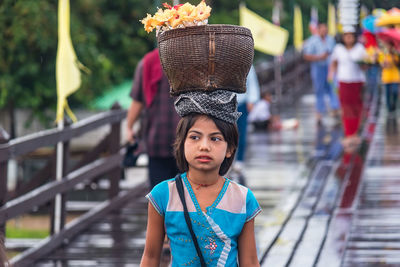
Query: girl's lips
{"x": 204, "y": 159}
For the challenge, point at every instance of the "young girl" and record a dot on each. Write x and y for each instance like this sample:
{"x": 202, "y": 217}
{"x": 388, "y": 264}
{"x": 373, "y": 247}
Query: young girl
{"x": 350, "y": 75}
{"x": 221, "y": 211}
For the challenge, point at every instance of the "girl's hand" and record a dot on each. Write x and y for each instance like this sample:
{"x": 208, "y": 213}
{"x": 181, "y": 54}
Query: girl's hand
{"x": 330, "y": 77}
{"x": 247, "y": 246}
{"x": 129, "y": 135}
{"x": 332, "y": 70}
{"x": 154, "y": 239}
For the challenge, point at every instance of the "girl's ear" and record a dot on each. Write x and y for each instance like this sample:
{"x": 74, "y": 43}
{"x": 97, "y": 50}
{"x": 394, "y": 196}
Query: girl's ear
{"x": 229, "y": 152}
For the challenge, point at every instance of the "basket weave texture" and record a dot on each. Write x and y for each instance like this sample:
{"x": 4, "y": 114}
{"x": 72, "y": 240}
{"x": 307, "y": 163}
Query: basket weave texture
{"x": 206, "y": 58}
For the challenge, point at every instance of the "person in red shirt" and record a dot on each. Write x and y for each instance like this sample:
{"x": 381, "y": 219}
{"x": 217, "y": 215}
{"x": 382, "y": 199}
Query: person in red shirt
{"x": 150, "y": 93}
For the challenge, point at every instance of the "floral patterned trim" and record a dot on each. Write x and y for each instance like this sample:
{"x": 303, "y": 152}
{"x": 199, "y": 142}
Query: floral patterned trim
{"x": 154, "y": 203}
{"x": 224, "y": 238}
{"x": 254, "y": 214}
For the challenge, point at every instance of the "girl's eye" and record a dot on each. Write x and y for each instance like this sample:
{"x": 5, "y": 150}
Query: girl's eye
{"x": 193, "y": 137}
{"x": 216, "y": 138}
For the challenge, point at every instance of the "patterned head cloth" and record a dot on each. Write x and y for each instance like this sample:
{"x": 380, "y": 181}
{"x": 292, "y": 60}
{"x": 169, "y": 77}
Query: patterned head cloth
{"x": 220, "y": 104}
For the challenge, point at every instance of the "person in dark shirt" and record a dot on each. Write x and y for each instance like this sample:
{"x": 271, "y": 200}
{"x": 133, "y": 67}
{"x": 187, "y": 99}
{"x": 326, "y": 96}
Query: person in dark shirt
{"x": 150, "y": 93}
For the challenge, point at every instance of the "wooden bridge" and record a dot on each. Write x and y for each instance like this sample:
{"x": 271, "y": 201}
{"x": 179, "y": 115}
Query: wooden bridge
{"x": 320, "y": 207}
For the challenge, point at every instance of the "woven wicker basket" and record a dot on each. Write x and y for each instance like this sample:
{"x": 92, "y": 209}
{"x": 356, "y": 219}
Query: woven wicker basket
{"x": 206, "y": 57}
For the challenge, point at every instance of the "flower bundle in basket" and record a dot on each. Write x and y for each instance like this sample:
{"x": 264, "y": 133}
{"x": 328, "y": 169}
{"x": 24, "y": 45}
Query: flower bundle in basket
{"x": 200, "y": 57}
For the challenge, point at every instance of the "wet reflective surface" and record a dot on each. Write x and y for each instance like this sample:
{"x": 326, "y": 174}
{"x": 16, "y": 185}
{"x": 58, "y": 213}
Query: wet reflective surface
{"x": 374, "y": 238}
{"x": 320, "y": 207}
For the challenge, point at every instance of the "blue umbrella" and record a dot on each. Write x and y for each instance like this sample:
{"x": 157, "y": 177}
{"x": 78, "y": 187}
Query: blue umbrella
{"x": 368, "y": 23}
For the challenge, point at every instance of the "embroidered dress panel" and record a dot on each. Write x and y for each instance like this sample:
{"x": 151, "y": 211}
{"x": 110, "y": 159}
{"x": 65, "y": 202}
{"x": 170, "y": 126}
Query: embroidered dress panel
{"x": 217, "y": 229}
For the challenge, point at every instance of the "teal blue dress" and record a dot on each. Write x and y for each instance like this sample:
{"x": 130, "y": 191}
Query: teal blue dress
{"x": 217, "y": 229}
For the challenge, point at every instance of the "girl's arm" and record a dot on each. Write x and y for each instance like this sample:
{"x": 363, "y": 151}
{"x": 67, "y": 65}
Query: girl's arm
{"x": 247, "y": 246}
{"x": 154, "y": 239}
{"x": 332, "y": 70}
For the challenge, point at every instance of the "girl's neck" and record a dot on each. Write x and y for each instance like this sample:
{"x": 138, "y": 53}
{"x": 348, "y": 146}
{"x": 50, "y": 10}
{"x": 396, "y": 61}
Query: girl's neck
{"x": 202, "y": 178}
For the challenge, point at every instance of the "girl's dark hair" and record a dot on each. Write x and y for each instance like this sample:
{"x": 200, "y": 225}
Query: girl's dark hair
{"x": 340, "y": 37}
{"x": 228, "y": 130}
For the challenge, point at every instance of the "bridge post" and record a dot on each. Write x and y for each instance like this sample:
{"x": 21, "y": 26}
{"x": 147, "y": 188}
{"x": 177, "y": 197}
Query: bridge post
{"x": 297, "y": 80}
{"x": 114, "y": 146}
{"x": 63, "y": 196}
{"x": 278, "y": 77}
{"x": 4, "y": 138}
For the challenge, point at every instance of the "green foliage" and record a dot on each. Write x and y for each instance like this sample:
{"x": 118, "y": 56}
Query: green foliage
{"x": 16, "y": 232}
{"x": 107, "y": 36}
{"x": 108, "y": 39}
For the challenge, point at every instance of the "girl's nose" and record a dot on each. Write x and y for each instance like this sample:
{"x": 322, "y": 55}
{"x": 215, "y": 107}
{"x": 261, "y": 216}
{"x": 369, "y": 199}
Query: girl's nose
{"x": 204, "y": 144}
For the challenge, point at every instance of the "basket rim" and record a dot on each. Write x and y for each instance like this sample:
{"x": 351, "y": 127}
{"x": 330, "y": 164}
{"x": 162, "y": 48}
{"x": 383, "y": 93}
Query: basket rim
{"x": 237, "y": 90}
{"x": 205, "y": 29}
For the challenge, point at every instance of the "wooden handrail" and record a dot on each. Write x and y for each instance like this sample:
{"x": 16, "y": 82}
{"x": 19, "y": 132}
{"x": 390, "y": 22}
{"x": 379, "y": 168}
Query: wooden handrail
{"x": 29, "y": 143}
{"x": 46, "y": 192}
{"x": 4, "y": 138}
{"x": 86, "y": 170}
{"x": 28, "y": 257}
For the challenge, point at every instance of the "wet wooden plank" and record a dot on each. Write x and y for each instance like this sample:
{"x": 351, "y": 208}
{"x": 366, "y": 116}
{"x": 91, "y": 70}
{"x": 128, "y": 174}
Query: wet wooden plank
{"x": 374, "y": 238}
{"x": 278, "y": 174}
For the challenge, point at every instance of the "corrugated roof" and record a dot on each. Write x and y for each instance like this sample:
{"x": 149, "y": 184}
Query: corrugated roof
{"x": 118, "y": 93}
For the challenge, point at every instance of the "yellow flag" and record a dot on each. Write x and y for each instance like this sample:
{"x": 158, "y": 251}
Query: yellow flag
{"x": 331, "y": 20}
{"x": 268, "y": 38}
{"x": 298, "y": 28}
{"x": 68, "y": 76}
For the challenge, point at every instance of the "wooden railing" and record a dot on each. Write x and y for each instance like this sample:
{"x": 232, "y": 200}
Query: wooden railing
{"x": 295, "y": 77}
{"x": 103, "y": 159}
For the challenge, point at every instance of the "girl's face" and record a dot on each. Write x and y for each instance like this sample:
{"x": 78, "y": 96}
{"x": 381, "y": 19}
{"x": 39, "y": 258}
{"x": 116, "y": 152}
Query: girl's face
{"x": 205, "y": 147}
{"x": 349, "y": 39}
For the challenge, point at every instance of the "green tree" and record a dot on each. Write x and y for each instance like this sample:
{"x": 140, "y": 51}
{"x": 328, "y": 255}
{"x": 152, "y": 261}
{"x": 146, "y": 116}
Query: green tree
{"x": 108, "y": 39}
{"x": 107, "y": 36}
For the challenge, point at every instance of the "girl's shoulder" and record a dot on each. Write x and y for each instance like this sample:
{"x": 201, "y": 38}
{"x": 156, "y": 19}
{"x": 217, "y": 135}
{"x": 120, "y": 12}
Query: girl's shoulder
{"x": 163, "y": 187}
{"x": 339, "y": 46}
{"x": 160, "y": 194}
{"x": 236, "y": 184}
{"x": 359, "y": 46}
{"x": 244, "y": 198}
{"x": 338, "y": 49}
{"x": 239, "y": 190}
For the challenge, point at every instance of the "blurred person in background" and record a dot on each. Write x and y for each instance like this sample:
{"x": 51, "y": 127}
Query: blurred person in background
{"x": 245, "y": 105}
{"x": 390, "y": 62}
{"x": 150, "y": 93}
{"x": 373, "y": 71}
{"x": 317, "y": 50}
{"x": 260, "y": 116}
{"x": 346, "y": 59}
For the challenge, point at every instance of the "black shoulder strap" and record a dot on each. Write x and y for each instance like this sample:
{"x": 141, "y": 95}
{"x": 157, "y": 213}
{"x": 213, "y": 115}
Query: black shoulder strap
{"x": 179, "y": 186}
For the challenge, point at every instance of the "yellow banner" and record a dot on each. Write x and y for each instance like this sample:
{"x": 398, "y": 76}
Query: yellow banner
{"x": 331, "y": 20}
{"x": 68, "y": 76}
{"x": 268, "y": 38}
{"x": 298, "y": 28}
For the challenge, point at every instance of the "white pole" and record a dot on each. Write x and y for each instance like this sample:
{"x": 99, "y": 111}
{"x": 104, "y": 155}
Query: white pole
{"x": 277, "y": 59}
{"x": 59, "y": 174}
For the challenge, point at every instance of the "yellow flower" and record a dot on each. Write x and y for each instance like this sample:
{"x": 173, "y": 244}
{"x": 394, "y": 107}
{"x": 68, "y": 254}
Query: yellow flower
{"x": 185, "y": 12}
{"x": 202, "y": 11}
{"x": 177, "y": 16}
{"x": 147, "y": 23}
{"x": 163, "y": 15}
{"x": 169, "y": 15}
{"x": 176, "y": 20}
